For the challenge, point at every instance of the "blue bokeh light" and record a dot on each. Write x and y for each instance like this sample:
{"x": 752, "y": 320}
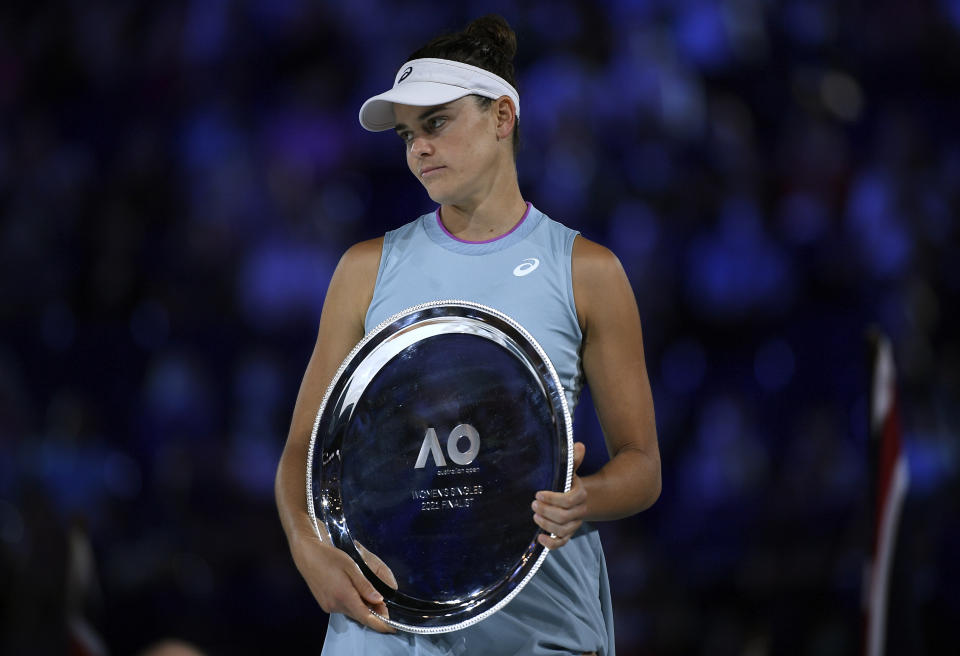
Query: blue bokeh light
{"x": 737, "y": 267}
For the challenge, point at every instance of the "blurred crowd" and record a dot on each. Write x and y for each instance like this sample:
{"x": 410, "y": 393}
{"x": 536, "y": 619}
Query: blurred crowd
{"x": 179, "y": 179}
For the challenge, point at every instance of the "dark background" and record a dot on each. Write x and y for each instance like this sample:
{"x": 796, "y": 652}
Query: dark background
{"x": 178, "y": 180}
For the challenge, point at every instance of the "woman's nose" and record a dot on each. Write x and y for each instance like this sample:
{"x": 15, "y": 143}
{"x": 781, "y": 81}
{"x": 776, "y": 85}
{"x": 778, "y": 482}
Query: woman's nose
{"x": 421, "y": 146}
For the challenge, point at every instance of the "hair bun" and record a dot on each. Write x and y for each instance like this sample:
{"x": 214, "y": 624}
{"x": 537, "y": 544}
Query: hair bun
{"x": 497, "y": 31}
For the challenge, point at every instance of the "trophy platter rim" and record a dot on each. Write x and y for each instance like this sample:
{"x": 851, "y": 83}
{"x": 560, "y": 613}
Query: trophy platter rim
{"x": 491, "y": 324}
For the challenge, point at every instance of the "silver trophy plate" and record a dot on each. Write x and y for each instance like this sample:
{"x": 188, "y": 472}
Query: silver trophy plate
{"x": 428, "y": 448}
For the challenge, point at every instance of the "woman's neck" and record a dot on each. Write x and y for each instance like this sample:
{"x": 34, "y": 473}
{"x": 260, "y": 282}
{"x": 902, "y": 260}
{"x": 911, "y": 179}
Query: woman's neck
{"x": 492, "y": 217}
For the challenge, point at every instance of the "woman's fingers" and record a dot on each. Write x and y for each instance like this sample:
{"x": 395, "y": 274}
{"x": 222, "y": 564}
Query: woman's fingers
{"x": 364, "y": 600}
{"x": 560, "y": 514}
{"x": 553, "y": 541}
{"x": 377, "y": 566}
{"x": 563, "y": 527}
{"x": 338, "y": 584}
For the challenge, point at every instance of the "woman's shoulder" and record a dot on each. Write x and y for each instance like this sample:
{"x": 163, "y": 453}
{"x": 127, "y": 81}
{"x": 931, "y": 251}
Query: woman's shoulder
{"x": 364, "y": 256}
{"x": 591, "y": 253}
{"x": 594, "y": 265}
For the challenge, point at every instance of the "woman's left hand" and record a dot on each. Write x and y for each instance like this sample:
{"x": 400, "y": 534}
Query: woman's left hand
{"x": 560, "y": 514}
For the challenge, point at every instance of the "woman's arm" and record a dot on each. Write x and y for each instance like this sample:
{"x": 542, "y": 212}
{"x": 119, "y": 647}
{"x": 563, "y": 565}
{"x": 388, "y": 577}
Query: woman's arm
{"x": 334, "y": 579}
{"x": 616, "y": 372}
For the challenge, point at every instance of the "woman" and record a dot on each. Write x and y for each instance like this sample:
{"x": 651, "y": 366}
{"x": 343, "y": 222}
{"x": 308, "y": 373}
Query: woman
{"x": 455, "y": 107}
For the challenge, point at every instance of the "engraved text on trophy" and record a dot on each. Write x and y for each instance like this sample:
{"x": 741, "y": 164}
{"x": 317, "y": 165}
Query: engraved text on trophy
{"x": 463, "y": 445}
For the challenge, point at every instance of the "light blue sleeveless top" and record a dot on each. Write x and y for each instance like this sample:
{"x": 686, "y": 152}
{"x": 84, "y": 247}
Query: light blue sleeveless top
{"x": 524, "y": 274}
{"x": 565, "y": 608}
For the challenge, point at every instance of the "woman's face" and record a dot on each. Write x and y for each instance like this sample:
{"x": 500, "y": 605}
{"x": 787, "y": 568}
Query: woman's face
{"x": 452, "y": 149}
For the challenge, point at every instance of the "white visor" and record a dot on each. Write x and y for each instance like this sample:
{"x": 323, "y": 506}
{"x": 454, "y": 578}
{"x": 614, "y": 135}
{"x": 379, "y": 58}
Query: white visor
{"x": 428, "y": 82}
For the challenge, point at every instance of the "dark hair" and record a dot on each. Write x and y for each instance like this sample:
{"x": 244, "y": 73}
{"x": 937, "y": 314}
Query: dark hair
{"x": 487, "y": 42}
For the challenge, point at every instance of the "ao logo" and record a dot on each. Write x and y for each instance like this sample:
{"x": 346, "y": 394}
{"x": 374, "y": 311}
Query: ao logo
{"x": 431, "y": 446}
{"x": 525, "y": 267}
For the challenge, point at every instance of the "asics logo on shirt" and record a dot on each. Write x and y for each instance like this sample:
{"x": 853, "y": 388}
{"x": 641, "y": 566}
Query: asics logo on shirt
{"x": 527, "y": 266}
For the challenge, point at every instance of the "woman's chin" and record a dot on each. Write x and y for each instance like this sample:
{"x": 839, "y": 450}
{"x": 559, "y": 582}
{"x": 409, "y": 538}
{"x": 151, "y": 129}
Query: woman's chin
{"x": 437, "y": 197}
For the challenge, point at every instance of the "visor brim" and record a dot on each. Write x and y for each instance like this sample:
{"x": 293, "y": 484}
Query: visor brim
{"x": 376, "y": 114}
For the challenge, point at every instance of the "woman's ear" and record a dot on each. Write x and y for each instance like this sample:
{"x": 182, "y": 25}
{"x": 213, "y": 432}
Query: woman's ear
{"x": 506, "y": 115}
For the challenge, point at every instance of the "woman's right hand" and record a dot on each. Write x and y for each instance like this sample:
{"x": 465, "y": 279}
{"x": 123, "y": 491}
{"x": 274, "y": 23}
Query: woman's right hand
{"x": 337, "y": 583}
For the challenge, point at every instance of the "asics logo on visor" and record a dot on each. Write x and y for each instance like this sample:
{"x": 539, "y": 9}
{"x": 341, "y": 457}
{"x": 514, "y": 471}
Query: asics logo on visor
{"x": 406, "y": 74}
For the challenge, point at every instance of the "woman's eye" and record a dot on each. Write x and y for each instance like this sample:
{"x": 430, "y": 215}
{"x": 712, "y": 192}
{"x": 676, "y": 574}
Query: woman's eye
{"x": 436, "y": 122}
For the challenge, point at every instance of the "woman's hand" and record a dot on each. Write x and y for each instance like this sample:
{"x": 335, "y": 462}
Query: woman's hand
{"x": 338, "y": 584}
{"x": 377, "y": 566}
{"x": 560, "y": 514}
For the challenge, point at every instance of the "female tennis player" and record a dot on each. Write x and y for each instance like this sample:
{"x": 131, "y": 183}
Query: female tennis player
{"x": 455, "y": 108}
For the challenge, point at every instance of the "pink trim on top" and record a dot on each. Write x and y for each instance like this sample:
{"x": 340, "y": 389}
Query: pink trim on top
{"x": 485, "y": 241}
